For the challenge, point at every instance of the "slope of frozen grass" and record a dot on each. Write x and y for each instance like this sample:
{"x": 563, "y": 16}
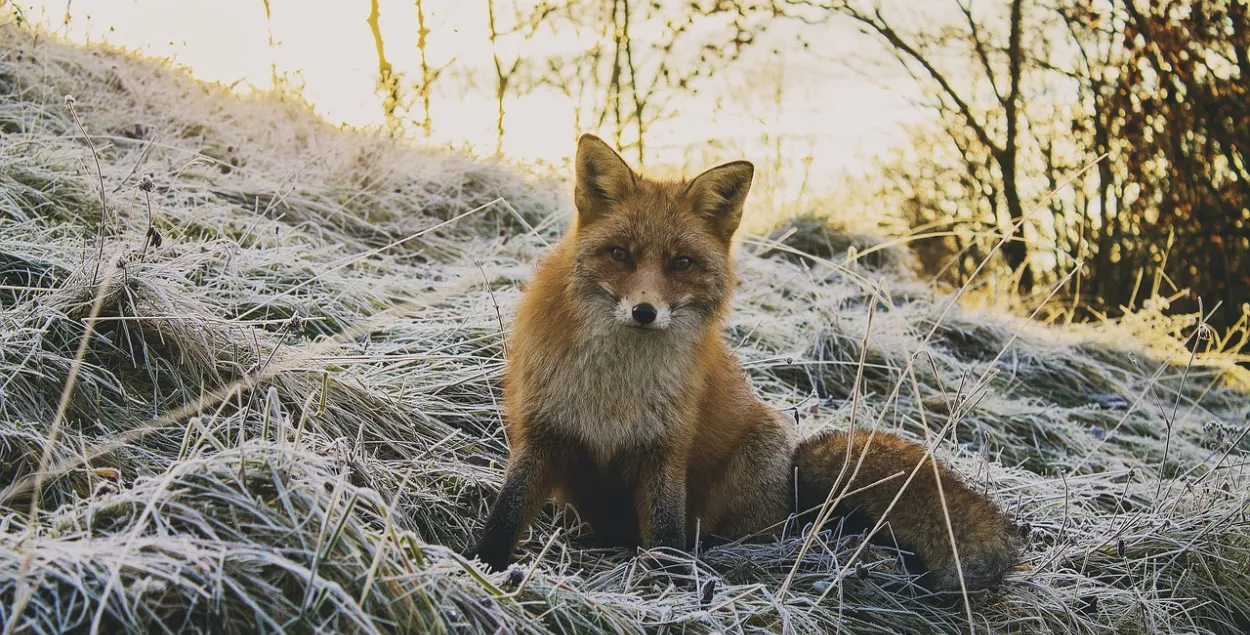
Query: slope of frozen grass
{"x": 286, "y": 414}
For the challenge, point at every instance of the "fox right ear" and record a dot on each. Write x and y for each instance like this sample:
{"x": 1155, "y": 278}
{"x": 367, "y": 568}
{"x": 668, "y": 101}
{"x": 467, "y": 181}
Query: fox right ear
{"x": 602, "y": 177}
{"x": 719, "y": 193}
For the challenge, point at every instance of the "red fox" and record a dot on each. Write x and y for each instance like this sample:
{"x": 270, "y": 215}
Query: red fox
{"x": 623, "y": 400}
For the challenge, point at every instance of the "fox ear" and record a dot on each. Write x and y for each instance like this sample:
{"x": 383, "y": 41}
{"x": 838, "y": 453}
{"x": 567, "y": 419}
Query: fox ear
{"x": 718, "y": 194}
{"x": 602, "y": 178}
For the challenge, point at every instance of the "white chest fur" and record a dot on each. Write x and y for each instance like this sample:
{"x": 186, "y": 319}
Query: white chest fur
{"x": 615, "y": 392}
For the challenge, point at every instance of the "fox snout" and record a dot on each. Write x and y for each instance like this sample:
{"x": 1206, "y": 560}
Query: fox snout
{"x": 643, "y": 314}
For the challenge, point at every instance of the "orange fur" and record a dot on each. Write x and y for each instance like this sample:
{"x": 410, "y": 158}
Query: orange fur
{"x": 647, "y": 425}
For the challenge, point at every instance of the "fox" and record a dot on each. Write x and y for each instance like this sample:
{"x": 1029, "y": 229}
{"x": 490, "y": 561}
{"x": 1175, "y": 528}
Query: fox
{"x": 622, "y": 399}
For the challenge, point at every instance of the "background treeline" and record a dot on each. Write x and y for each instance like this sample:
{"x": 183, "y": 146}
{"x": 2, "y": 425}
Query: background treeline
{"x": 1014, "y": 98}
{"x": 1023, "y": 95}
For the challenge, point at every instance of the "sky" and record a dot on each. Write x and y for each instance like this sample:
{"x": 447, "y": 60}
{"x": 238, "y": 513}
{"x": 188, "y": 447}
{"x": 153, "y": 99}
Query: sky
{"x": 835, "y": 112}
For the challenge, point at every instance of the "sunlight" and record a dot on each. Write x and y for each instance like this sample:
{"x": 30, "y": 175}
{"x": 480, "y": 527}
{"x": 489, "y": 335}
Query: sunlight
{"x": 827, "y": 121}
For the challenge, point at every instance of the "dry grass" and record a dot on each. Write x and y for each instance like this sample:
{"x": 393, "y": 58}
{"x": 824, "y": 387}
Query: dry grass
{"x": 287, "y": 415}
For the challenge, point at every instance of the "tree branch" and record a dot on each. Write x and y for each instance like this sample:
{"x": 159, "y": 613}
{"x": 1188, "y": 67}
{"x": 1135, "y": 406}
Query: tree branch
{"x": 877, "y": 23}
{"x": 979, "y": 45}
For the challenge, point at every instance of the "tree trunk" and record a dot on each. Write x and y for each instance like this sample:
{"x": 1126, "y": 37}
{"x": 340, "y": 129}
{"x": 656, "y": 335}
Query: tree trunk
{"x": 387, "y": 81}
{"x": 615, "y": 85}
{"x": 1016, "y": 250}
{"x": 501, "y": 79}
{"x": 427, "y": 77}
{"x": 634, "y": 88}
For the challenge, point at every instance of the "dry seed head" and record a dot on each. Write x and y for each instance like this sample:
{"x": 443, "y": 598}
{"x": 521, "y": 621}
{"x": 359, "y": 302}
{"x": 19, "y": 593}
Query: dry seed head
{"x": 708, "y": 592}
{"x": 515, "y": 576}
{"x": 146, "y": 183}
{"x": 1089, "y": 604}
{"x": 70, "y": 101}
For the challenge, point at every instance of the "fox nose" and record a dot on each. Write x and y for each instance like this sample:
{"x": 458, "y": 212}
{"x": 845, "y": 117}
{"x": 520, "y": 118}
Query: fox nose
{"x": 644, "y": 313}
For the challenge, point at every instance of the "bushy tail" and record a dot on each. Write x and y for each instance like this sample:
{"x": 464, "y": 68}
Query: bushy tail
{"x": 879, "y": 465}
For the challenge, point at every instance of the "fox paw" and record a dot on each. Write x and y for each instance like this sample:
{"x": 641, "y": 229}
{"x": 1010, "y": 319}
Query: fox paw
{"x": 495, "y": 556}
{"x": 983, "y": 567}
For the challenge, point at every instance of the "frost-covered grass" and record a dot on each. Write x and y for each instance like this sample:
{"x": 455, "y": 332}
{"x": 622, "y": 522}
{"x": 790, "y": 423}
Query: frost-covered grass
{"x": 286, "y": 412}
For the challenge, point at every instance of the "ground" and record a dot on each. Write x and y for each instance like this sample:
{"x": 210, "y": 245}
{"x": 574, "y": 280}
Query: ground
{"x": 249, "y": 376}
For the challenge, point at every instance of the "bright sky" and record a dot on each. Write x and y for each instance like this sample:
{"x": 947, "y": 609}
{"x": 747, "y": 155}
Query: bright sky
{"x": 834, "y": 114}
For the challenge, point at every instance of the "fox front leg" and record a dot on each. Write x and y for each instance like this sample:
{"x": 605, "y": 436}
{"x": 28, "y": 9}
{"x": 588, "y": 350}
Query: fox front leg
{"x": 661, "y": 506}
{"x": 526, "y": 485}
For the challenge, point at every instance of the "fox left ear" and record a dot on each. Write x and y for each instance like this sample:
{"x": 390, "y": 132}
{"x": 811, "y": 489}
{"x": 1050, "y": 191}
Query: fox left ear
{"x": 718, "y": 194}
{"x": 602, "y": 178}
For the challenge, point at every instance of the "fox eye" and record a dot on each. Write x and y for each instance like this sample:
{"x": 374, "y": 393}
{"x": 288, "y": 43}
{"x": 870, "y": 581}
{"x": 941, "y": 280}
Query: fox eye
{"x": 619, "y": 254}
{"x": 682, "y": 263}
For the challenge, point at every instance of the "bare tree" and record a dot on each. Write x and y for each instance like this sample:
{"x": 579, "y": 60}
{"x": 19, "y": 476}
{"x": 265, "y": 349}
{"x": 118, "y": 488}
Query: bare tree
{"x": 388, "y": 81}
{"x": 427, "y": 74}
{"x": 626, "y": 83}
{"x": 526, "y": 22}
{"x": 1160, "y": 91}
{"x": 273, "y": 66}
{"x": 995, "y": 132}
{"x": 501, "y": 76}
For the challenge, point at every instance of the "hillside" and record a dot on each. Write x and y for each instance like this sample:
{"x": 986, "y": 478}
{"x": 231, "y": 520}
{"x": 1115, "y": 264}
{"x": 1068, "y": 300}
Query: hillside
{"x": 257, "y": 359}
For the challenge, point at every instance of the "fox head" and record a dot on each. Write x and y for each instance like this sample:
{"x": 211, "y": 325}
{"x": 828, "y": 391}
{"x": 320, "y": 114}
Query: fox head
{"x": 651, "y": 255}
